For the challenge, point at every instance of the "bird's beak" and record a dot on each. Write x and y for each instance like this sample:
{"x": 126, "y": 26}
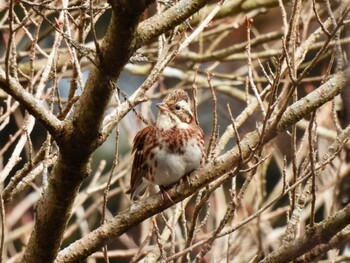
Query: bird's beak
{"x": 162, "y": 106}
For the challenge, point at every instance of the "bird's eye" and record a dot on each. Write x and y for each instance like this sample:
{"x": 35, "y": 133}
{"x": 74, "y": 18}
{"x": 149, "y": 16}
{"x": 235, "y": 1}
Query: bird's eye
{"x": 177, "y": 107}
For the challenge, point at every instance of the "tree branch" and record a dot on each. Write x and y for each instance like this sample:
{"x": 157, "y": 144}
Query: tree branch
{"x": 32, "y": 104}
{"x": 319, "y": 234}
{"x": 156, "y": 25}
{"x": 143, "y": 209}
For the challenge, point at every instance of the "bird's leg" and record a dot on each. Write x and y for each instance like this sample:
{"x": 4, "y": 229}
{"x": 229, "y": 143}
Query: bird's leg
{"x": 163, "y": 189}
{"x": 186, "y": 179}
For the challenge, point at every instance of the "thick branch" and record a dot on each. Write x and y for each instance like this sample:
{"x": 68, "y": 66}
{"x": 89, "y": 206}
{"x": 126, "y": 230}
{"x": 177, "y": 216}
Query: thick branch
{"x": 79, "y": 136}
{"x": 319, "y": 234}
{"x": 30, "y": 103}
{"x": 117, "y": 47}
{"x": 156, "y": 25}
{"x": 141, "y": 210}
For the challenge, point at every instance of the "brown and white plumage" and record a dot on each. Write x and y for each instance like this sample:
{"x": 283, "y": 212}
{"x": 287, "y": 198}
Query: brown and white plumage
{"x": 170, "y": 149}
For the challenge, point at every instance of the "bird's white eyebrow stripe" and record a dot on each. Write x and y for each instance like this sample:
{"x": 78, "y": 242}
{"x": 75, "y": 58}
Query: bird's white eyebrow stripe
{"x": 183, "y": 103}
{"x": 186, "y": 106}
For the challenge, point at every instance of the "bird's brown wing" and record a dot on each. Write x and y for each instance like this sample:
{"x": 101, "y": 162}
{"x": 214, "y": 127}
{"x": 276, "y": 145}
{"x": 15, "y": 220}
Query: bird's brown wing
{"x": 139, "y": 166}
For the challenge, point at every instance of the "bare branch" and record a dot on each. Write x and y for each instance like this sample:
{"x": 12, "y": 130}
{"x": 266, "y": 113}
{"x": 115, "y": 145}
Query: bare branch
{"x": 32, "y": 104}
{"x": 321, "y": 233}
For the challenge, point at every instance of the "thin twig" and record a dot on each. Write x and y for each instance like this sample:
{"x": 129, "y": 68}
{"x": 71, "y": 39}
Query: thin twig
{"x": 194, "y": 93}
{"x": 159, "y": 240}
{"x": 106, "y": 190}
{"x": 202, "y": 200}
{"x": 215, "y": 132}
{"x": 237, "y": 137}
{"x": 92, "y": 25}
{"x": 319, "y": 19}
{"x": 249, "y": 22}
{"x": 312, "y": 156}
{"x": 2, "y": 219}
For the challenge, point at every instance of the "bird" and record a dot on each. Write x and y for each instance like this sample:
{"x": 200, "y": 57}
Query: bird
{"x": 168, "y": 150}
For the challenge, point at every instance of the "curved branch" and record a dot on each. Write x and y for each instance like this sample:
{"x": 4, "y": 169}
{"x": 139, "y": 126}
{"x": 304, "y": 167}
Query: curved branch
{"x": 156, "y": 25}
{"x": 321, "y": 233}
{"x": 30, "y": 103}
{"x": 337, "y": 241}
{"x": 143, "y": 209}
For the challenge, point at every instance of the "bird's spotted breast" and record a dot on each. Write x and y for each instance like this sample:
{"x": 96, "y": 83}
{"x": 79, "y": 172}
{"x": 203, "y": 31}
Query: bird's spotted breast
{"x": 170, "y": 149}
{"x": 181, "y": 152}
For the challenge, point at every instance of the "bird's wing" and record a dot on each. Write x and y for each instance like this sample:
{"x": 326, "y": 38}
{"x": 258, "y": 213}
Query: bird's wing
{"x": 139, "y": 166}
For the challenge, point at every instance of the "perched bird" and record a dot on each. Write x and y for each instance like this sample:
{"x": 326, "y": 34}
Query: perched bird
{"x": 170, "y": 149}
